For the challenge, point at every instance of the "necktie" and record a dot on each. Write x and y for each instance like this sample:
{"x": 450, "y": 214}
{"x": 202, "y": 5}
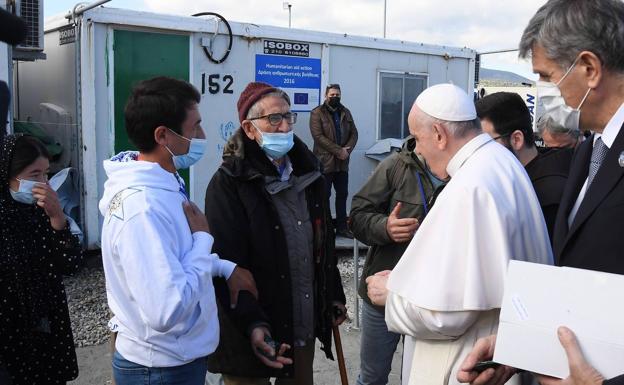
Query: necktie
{"x": 599, "y": 152}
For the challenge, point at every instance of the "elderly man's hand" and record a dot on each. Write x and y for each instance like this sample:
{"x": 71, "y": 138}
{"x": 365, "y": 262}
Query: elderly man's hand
{"x": 271, "y": 358}
{"x": 581, "y": 372}
{"x": 376, "y": 284}
{"x": 483, "y": 350}
{"x": 340, "y": 313}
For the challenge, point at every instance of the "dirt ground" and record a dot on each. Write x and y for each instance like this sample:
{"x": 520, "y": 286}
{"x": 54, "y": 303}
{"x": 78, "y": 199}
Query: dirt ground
{"x": 94, "y": 362}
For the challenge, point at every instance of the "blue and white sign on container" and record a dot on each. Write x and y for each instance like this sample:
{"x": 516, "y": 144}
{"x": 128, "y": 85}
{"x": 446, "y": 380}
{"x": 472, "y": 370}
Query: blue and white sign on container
{"x": 299, "y": 77}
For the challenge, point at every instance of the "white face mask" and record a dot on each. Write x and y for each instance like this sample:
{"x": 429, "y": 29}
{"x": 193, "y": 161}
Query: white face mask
{"x": 555, "y": 107}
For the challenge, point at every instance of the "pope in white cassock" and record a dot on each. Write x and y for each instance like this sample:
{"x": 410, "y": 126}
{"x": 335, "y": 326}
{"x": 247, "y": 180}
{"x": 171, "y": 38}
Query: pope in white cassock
{"x": 446, "y": 290}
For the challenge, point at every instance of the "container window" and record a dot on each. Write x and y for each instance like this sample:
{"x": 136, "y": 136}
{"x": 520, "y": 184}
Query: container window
{"x": 397, "y": 94}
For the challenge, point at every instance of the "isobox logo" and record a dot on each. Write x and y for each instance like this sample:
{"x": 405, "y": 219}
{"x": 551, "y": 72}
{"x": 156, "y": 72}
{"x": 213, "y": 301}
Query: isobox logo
{"x": 275, "y": 47}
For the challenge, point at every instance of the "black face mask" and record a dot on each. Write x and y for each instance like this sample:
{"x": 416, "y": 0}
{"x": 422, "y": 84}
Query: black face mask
{"x": 334, "y": 101}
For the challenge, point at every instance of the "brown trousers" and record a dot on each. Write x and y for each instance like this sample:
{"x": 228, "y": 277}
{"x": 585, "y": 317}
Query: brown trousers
{"x": 113, "y": 338}
{"x": 304, "y": 356}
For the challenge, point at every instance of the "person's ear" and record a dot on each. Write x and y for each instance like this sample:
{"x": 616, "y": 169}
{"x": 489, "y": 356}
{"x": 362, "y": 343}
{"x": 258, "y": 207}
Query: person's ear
{"x": 516, "y": 140}
{"x": 160, "y": 135}
{"x": 440, "y": 136}
{"x": 249, "y": 129}
{"x": 592, "y": 68}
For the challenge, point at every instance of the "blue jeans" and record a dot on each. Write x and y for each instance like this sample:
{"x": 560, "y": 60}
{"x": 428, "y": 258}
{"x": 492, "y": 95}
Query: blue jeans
{"x": 377, "y": 346}
{"x": 129, "y": 373}
{"x": 340, "y": 180}
{"x": 5, "y": 378}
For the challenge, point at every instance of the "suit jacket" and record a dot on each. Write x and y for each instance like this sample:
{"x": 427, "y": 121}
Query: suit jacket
{"x": 619, "y": 380}
{"x": 595, "y": 240}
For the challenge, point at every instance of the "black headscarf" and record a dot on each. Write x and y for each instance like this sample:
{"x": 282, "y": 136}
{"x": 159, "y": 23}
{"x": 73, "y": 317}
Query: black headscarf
{"x": 35, "y": 326}
{"x": 17, "y": 237}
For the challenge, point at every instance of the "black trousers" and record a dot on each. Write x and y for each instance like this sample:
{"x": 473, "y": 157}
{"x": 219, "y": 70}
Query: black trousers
{"x": 340, "y": 181}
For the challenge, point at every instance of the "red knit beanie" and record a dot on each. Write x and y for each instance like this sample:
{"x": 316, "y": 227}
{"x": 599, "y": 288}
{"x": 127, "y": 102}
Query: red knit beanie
{"x": 250, "y": 95}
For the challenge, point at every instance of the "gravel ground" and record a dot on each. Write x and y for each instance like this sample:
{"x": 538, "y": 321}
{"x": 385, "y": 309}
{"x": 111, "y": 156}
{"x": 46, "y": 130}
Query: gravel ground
{"x": 89, "y": 313}
{"x": 88, "y": 309}
{"x": 346, "y": 266}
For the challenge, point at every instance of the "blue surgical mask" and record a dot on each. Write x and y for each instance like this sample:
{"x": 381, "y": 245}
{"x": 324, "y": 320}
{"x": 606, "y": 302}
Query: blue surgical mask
{"x": 195, "y": 152}
{"x": 276, "y": 144}
{"x": 24, "y": 193}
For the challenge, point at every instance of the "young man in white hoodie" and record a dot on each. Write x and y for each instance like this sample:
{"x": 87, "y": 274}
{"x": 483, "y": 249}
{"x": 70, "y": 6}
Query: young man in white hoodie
{"x": 156, "y": 246}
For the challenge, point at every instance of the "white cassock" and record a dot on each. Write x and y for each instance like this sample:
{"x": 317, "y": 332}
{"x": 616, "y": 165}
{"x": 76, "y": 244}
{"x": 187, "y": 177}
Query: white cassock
{"x": 446, "y": 291}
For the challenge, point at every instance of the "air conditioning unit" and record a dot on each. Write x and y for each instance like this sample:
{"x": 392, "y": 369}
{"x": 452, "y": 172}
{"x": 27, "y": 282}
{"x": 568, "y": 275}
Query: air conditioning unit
{"x": 31, "y": 11}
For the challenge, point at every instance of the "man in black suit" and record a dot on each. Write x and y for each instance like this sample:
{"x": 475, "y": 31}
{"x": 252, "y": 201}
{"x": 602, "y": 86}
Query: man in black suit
{"x": 577, "y": 48}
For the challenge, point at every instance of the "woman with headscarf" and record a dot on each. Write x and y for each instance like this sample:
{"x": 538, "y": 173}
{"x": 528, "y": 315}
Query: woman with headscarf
{"x": 36, "y": 249}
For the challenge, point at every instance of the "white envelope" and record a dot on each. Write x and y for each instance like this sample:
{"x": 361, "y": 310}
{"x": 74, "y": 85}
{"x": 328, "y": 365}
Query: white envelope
{"x": 540, "y": 298}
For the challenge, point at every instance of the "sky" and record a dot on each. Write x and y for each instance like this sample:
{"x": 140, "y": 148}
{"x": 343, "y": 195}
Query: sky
{"x": 483, "y": 25}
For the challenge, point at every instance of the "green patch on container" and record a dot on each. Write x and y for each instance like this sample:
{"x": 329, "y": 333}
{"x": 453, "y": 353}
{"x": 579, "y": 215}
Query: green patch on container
{"x": 144, "y": 55}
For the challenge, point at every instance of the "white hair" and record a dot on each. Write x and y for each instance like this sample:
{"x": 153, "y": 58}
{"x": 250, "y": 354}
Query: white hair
{"x": 457, "y": 129}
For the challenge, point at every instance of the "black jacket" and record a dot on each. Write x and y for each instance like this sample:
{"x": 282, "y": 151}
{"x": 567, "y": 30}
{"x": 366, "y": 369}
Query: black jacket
{"x": 548, "y": 173}
{"x": 619, "y": 380}
{"x": 247, "y": 231}
{"x": 594, "y": 241}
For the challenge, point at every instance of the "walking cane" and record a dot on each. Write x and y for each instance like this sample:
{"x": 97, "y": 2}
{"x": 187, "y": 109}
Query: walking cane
{"x": 341, "y": 361}
{"x": 113, "y": 339}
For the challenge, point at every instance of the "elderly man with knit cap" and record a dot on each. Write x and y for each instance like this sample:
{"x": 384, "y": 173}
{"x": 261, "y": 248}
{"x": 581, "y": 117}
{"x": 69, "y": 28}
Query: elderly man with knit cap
{"x": 267, "y": 210}
{"x": 447, "y": 288}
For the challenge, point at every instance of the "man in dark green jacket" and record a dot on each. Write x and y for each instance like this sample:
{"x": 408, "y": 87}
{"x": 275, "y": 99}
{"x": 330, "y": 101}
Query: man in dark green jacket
{"x": 385, "y": 214}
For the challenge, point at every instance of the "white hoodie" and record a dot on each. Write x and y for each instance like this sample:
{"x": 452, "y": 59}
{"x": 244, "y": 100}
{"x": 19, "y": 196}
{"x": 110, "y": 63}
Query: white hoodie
{"x": 158, "y": 274}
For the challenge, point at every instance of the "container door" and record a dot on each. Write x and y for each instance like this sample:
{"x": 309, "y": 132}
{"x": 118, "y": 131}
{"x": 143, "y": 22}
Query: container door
{"x": 140, "y": 56}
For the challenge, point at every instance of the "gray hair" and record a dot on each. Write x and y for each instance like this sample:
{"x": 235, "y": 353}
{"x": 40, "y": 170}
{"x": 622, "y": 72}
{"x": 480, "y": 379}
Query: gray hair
{"x": 548, "y": 124}
{"x": 566, "y": 27}
{"x": 256, "y": 109}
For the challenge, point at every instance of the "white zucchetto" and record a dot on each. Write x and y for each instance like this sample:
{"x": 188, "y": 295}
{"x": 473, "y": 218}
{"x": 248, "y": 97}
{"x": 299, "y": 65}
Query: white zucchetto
{"x": 447, "y": 102}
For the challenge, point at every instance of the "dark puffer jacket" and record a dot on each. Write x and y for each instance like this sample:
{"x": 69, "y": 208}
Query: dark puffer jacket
{"x": 247, "y": 230}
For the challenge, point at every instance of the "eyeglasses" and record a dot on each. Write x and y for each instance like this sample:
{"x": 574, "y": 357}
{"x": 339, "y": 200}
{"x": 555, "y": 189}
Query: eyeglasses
{"x": 276, "y": 118}
{"x": 501, "y": 136}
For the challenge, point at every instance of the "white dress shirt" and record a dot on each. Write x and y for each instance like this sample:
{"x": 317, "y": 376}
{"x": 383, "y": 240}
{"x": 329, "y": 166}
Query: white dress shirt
{"x": 611, "y": 131}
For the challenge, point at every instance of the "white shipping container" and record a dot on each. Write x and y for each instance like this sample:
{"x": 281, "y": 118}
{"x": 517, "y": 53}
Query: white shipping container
{"x": 89, "y": 72}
